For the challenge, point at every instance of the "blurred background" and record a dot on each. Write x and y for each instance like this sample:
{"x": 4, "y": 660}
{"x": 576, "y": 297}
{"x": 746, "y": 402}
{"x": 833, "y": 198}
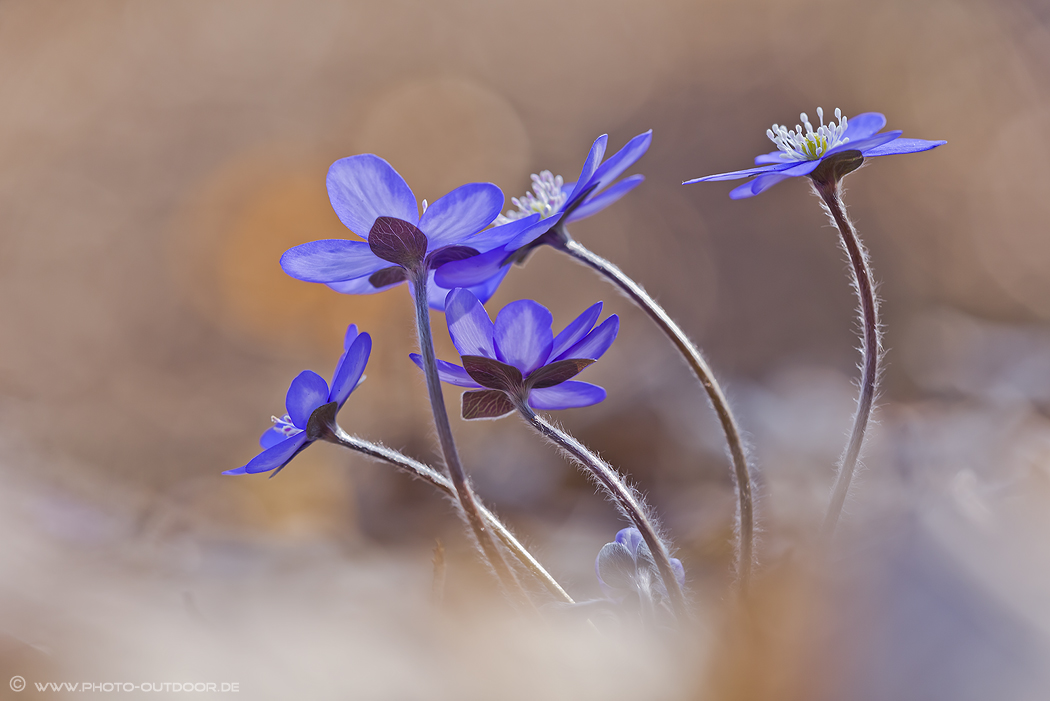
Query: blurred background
{"x": 157, "y": 158}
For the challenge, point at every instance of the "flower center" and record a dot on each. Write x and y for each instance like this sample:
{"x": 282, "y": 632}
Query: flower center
{"x": 285, "y": 426}
{"x": 813, "y": 143}
{"x": 545, "y": 199}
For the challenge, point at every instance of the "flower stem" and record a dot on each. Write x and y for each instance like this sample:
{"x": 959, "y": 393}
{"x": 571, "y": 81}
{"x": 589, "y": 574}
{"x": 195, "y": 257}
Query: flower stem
{"x": 830, "y": 192}
{"x": 464, "y": 492}
{"x": 337, "y": 435}
{"x": 628, "y": 501}
{"x": 745, "y": 547}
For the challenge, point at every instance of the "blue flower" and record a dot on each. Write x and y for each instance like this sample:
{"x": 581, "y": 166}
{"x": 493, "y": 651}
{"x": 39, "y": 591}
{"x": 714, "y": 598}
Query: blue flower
{"x": 308, "y": 393}
{"x": 558, "y": 203}
{"x": 519, "y": 356}
{"x": 375, "y": 202}
{"x": 800, "y": 153}
{"x": 626, "y": 568}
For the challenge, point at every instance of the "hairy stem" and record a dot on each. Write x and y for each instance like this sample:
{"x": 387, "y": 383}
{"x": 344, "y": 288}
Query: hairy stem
{"x": 622, "y": 495}
{"x": 458, "y": 476}
{"x": 831, "y": 193}
{"x": 745, "y": 547}
{"x": 337, "y": 435}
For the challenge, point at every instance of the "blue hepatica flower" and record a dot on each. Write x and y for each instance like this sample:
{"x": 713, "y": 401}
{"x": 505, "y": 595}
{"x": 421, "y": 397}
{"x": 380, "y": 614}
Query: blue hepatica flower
{"x": 520, "y": 357}
{"x": 557, "y": 203}
{"x": 625, "y": 568}
{"x": 375, "y": 202}
{"x": 800, "y": 153}
{"x": 308, "y": 393}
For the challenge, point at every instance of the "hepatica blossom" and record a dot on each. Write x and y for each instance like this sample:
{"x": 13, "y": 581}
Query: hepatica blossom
{"x": 375, "y": 202}
{"x": 625, "y": 568}
{"x": 556, "y": 203}
{"x": 800, "y": 152}
{"x": 519, "y": 357}
{"x": 308, "y": 393}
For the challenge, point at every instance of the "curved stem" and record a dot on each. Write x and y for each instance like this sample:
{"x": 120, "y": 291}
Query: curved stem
{"x": 624, "y": 496}
{"x": 831, "y": 194}
{"x": 687, "y": 349}
{"x": 337, "y": 435}
{"x": 458, "y": 476}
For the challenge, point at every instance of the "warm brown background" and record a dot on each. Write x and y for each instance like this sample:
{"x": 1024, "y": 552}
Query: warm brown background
{"x": 157, "y": 158}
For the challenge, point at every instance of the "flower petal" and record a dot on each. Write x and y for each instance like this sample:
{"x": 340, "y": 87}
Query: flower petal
{"x": 466, "y": 210}
{"x": 470, "y": 271}
{"x": 272, "y": 436}
{"x": 737, "y": 174}
{"x": 351, "y": 334}
{"x": 864, "y": 125}
{"x": 576, "y": 330}
{"x": 275, "y": 457}
{"x": 594, "y": 345}
{"x": 364, "y": 187}
{"x": 524, "y": 230}
{"x": 308, "y": 392}
{"x": 899, "y": 146}
{"x": 594, "y": 157}
{"x": 350, "y": 368}
{"x": 469, "y": 325}
{"x": 523, "y": 335}
{"x": 448, "y": 372}
{"x": 437, "y": 294}
{"x": 596, "y": 204}
{"x": 615, "y": 568}
{"x": 863, "y": 145}
{"x": 567, "y": 395}
{"x": 622, "y": 160}
{"x": 768, "y": 180}
{"x": 330, "y": 260}
{"x": 360, "y": 286}
{"x": 774, "y": 157}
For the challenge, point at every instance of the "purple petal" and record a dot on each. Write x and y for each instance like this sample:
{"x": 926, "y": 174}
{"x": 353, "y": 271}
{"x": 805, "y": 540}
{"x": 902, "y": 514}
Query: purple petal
{"x": 576, "y": 330}
{"x": 630, "y": 537}
{"x": 448, "y": 372}
{"x": 307, "y": 393}
{"x": 351, "y": 334}
{"x": 759, "y": 184}
{"x": 615, "y": 568}
{"x": 864, "y": 125}
{"x": 271, "y": 437}
{"x": 437, "y": 294}
{"x": 276, "y": 457}
{"x": 351, "y": 367}
{"x": 622, "y": 160}
{"x": 466, "y": 210}
{"x": 567, "y": 395}
{"x": 330, "y": 260}
{"x": 865, "y": 144}
{"x": 365, "y": 187}
{"x": 773, "y": 158}
{"x": 679, "y": 571}
{"x": 469, "y": 325}
{"x": 596, "y": 204}
{"x": 526, "y": 229}
{"x": 360, "y": 286}
{"x": 595, "y": 344}
{"x": 737, "y": 174}
{"x": 594, "y": 157}
{"x": 470, "y": 271}
{"x": 899, "y": 146}
{"x": 523, "y": 335}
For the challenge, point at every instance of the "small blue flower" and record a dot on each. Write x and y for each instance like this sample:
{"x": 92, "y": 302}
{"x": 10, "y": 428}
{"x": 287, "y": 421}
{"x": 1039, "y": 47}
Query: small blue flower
{"x": 519, "y": 356}
{"x": 375, "y": 202}
{"x": 307, "y": 394}
{"x": 626, "y": 568}
{"x": 800, "y": 153}
{"x": 558, "y": 203}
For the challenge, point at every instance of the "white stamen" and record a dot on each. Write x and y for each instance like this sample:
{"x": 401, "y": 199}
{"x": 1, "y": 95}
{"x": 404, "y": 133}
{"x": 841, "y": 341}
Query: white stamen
{"x": 546, "y": 198}
{"x": 285, "y": 426}
{"x": 813, "y": 143}
{"x": 424, "y": 206}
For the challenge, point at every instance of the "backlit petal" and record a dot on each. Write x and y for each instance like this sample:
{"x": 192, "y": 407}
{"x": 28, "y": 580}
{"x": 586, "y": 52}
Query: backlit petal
{"x": 523, "y": 335}
{"x": 567, "y": 395}
{"x": 331, "y": 260}
{"x": 365, "y": 187}
{"x": 466, "y": 210}
{"x": 307, "y": 393}
{"x": 469, "y": 324}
